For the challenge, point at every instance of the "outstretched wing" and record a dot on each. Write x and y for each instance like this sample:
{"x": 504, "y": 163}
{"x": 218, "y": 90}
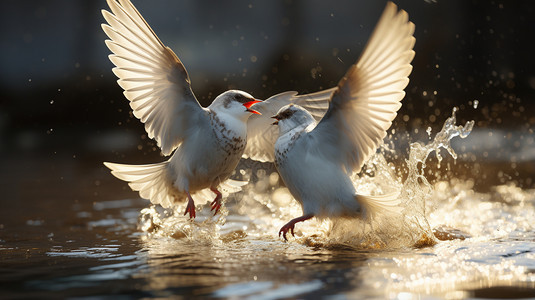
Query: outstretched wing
{"x": 153, "y": 78}
{"x": 368, "y": 97}
{"x": 261, "y": 136}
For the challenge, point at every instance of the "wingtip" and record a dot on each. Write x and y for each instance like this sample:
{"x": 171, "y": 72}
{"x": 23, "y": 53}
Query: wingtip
{"x": 391, "y": 4}
{"x": 109, "y": 44}
{"x": 103, "y": 11}
{"x": 104, "y": 26}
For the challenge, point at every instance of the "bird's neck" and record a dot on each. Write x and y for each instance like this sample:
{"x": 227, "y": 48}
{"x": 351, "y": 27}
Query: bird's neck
{"x": 289, "y": 127}
{"x": 288, "y": 137}
{"x": 228, "y": 126}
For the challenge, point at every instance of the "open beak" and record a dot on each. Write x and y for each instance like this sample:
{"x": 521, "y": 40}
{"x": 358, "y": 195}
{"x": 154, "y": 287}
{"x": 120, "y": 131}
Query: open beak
{"x": 248, "y": 106}
{"x": 276, "y": 120}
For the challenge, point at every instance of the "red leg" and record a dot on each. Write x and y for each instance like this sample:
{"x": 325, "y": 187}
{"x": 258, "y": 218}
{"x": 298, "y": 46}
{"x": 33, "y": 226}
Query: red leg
{"x": 290, "y": 225}
{"x": 216, "y": 204}
{"x": 190, "y": 208}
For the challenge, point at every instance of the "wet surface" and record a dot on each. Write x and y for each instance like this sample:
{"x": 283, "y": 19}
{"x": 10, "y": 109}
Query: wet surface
{"x": 81, "y": 236}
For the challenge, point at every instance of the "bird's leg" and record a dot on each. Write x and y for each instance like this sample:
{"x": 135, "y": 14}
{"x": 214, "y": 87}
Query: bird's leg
{"x": 216, "y": 204}
{"x": 190, "y": 208}
{"x": 290, "y": 225}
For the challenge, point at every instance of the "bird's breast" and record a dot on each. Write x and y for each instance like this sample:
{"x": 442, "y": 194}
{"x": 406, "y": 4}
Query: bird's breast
{"x": 230, "y": 135}
{"x": 284, "y": 145}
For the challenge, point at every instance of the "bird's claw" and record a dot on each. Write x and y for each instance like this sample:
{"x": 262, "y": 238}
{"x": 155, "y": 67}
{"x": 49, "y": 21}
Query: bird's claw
{"x": 216, "y": 205}
{"x": 190, "y": 208}
{"x": 284, "y": 230}
{"x": 290, "y": 225}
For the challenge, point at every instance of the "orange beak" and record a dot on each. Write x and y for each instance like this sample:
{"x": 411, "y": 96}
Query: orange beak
{"x": 249, "y": 104}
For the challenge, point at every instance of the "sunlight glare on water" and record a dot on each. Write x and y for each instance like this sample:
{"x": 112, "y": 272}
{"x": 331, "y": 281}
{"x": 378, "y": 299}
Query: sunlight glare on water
{"x": 264, "y": 206}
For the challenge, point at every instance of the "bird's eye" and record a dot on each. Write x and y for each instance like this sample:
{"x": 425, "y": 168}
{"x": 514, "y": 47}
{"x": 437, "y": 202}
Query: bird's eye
{"x": 286, "y": 114}
{"x": 241, "y": 98}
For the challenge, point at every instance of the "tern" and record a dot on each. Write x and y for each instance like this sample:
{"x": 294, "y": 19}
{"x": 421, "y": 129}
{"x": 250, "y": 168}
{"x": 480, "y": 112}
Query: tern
{"x": 316, "y": 159}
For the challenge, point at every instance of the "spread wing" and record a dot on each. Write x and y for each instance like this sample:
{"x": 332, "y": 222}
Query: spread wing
{"x": 153, "y": 78}
{"x": 368, "y": 97}
{"x": 261, "y": 136}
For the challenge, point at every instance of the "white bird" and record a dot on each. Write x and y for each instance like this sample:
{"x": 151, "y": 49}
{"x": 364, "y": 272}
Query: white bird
{"x": 316, "y": 161}
{"x": 207, "y": 142}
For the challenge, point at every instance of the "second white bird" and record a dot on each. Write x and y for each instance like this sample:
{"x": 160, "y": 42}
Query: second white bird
{"x": 315, "y": 162}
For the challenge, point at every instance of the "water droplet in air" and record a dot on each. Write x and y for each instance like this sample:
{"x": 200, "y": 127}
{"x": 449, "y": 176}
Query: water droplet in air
{"x": 476, "y": 103}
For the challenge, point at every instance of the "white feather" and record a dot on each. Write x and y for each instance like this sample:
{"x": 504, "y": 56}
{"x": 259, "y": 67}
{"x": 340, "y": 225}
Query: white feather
{"x": 388, "y": 204}
{"x": 153, "y": 78}
{"x": 151, "y": 181}
{"x": 369, "y": 95}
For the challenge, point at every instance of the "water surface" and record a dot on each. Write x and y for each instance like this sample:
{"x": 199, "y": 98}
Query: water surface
{"x": 87, "y": 237}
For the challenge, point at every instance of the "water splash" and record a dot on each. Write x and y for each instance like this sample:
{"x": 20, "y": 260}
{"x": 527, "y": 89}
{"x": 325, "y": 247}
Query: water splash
{"x": 265, "y": 205}
{"x": 419, "y": 153}
{"x": 416, "y": 189}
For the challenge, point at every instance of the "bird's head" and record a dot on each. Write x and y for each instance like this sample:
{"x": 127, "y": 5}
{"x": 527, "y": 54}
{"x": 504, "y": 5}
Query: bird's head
{"x": 235, "y": 103}
{"x": 292, "y": 116}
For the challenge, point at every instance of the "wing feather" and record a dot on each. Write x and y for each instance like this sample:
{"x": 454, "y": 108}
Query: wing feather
{"x": 153, "y": 78}
{"x": 368, "y": 97}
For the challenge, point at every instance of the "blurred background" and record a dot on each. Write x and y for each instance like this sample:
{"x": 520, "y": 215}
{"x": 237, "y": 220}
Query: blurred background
{"x": 62, "y": 112}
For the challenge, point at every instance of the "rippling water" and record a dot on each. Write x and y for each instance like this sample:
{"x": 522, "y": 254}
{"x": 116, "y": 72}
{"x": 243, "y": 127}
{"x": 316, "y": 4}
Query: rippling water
{"x": 450, "y": 242}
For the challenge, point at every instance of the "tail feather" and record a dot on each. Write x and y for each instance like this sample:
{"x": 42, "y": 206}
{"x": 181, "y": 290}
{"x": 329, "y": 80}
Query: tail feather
{"x": 145, "y": 179}
{"x": 226, "y": 187}
{"x": 152, "y": 183}
{"x": 388, "y": 204}
{"x": 232, "y": 186}
{"x": 149, "y": 180}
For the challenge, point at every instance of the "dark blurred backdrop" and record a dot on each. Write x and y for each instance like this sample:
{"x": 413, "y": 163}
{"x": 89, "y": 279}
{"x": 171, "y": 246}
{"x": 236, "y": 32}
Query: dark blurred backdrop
{"x": 62, "y": 113}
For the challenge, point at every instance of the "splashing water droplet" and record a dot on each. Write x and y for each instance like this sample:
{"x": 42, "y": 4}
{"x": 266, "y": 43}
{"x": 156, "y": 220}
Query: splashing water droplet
{"x": 476, "y": 103}
{"x": 417, "y": 189}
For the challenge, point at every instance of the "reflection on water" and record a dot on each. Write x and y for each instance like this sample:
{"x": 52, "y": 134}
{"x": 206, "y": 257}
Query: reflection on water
{"x": 451, "y": 242}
